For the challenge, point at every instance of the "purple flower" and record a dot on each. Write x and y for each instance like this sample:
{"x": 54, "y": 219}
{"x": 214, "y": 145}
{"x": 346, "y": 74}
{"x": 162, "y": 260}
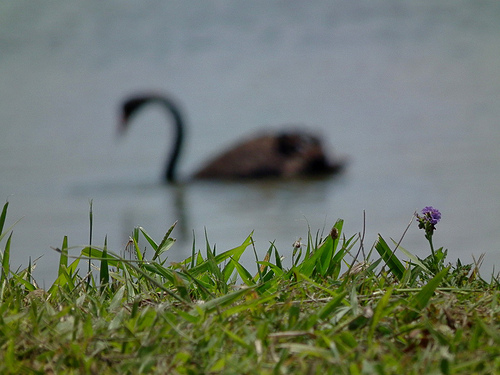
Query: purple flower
{"x": 431, "y": 215}
{"x": 428, "y": 219}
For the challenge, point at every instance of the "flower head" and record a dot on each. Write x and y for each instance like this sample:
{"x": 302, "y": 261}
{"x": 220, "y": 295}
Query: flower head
{"x": 429, "y": 217}
{"x": 431, "y": 214}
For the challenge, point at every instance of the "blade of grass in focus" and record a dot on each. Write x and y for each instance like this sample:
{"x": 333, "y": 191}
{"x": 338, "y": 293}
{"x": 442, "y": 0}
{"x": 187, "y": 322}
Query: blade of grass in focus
{"x": 390, "y": 259}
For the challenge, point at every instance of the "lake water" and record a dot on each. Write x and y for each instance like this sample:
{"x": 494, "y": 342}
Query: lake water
{"x": 409, "y": 91}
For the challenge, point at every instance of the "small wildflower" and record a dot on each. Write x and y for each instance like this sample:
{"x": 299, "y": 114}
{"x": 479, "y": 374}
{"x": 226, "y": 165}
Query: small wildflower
{"x": 431, "y": 214}
{"x": 427, "y": 221}
{"x": 429, "y": 217}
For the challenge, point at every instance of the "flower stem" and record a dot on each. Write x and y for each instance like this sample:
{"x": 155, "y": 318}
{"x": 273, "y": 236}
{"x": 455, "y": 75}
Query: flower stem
{"x": 434, "y": 260}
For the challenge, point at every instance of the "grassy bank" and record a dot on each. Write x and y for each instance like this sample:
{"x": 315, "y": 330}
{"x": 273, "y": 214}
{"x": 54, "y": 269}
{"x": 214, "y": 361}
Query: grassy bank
{"x": 341, "y": 308}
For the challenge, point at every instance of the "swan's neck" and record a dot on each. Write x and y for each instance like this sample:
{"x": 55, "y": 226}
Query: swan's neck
{"x": 173, "y": 157}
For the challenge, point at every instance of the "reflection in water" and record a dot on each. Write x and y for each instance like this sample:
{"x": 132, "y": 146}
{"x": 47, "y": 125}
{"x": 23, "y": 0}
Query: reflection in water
{"x": 173, "y": 209}
{"x": 180, "y": 213}
{"x": 229, "y": 211}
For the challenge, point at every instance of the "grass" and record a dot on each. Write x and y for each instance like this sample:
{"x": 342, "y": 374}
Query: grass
{"x": 337, "y": 310}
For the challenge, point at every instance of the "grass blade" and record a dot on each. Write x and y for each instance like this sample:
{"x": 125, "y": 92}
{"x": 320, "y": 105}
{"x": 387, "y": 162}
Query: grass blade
{"x": 3, "y": 216}
{"x": 332, "y": 305}
{"x": 148, "y": 238}
{"x": 412, "y": 257}
{"x": 277, "y": 258}
{"x": 237, "y": 252}
{"x": 390, "y": 259}
{"x": 421, "y": 299}
{"x": 205, "y": 266}
{"x": 274, "y": 268}
{"x": 96, "y": 254}
{"x": 65, "y": 277}
{"x": 104, "y": 272}
{"x": 246, "y": 277}
{"x": 91, "y": 231}
{"x": 63, "y": 259}
{"x": 138, "y": 253}
{"x": 166, "y": 243}
{"x": 224, "y": 300}
{"x": 378, "y": 313}
{"x": 6, "y": 260}
{"x": 213, "y": 266}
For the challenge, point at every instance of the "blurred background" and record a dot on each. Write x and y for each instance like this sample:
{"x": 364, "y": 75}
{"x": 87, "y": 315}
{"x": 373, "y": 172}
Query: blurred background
{"x": 408, "y": 90}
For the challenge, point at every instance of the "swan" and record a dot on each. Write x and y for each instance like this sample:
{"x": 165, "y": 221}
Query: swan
{"x": 281, "y": 155}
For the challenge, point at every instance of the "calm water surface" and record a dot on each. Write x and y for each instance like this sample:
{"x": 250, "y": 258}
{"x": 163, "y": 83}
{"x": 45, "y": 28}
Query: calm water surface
{"x": 409, "y": 91}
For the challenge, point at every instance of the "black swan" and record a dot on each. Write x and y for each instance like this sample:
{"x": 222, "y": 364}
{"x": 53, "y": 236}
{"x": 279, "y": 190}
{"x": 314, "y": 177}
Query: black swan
{"x": 282, "y": 155}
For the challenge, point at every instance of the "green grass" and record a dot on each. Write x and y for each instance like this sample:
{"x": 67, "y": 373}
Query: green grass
{"x": 338, "y": 309}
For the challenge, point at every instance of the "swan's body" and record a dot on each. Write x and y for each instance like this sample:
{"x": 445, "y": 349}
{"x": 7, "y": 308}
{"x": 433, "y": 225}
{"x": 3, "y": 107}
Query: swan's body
{"x": 282, "y": 155}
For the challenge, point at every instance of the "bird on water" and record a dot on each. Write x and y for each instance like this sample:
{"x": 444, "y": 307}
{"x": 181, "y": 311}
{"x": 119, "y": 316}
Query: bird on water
{"x": 285, "y": 154}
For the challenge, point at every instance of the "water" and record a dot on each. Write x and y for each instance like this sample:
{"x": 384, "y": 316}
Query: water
{"x": 409, "y": 91}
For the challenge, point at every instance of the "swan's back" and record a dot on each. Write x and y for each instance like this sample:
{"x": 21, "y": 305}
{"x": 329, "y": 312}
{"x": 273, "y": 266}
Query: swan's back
{"x": 281, "y": 155}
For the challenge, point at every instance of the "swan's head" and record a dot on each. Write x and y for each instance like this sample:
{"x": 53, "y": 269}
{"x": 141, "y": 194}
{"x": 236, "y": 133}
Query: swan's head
{"x": 135, "y": 103}
{"x": 129, "y": 107}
